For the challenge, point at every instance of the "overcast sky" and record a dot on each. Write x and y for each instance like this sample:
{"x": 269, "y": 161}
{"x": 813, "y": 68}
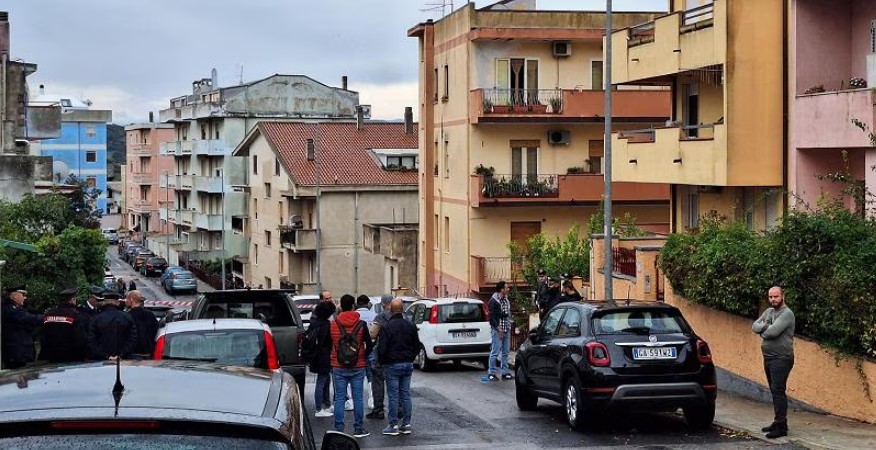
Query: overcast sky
{"x": 132, "y": 56}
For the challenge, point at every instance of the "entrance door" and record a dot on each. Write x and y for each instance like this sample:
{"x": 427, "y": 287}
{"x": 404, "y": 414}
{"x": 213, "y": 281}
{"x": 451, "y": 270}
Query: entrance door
{"x": 520, "y": 234}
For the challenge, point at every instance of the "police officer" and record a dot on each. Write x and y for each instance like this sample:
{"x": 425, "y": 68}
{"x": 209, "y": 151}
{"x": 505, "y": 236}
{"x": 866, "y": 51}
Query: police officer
{"x": 18, "y": 328}
{"x": 541, "y": 292}
{"x": 64, "y": 331}
{"x": 92, "y": 305}
{"x": 112, "y": 333}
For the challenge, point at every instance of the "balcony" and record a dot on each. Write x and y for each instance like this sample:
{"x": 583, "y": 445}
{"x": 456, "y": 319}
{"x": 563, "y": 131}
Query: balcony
{"x": 187, "y": 216}
{"x": 139, "y": 204}
{"x": 209, "y": 222}
{"x": 190, "y": 112}
{"x": 676, "y": 42}
{"x": 175, "y": 240}
{"x": 486, "y": 271}
{"x": 209, "y": 147}
{"x": 212, "y": 185}
{"x": 824, "y": 120}
{"x": 567, "y": 105}
{"x": 175, "y": 148}
{"x": 139, "y": 149}
{"x": 141, "y": 178}
{"x": 298, "y": 239}
{"x": 557, "y": 189}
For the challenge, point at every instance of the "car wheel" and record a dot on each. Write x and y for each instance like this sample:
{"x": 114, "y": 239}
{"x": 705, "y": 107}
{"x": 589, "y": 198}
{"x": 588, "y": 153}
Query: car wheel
{"x": 423, "y": 362}
{"x": 526, "y": 400}
{"x": 699, "y": 417}
{"x": 575, "y": 414}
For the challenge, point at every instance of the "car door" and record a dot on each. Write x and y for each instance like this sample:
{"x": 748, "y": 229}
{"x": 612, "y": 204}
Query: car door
{"x": 561, "y": 345}
{"x": 539, "y": 359}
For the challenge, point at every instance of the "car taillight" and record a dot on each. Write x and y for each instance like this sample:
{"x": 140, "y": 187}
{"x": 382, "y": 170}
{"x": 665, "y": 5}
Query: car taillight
{"x": 273, "y": 361}
{"x": 159, "y": 348}
{"x": 597, "y": 354}
{"x": 433, "y": 314}
{"x": 704, "y": 353}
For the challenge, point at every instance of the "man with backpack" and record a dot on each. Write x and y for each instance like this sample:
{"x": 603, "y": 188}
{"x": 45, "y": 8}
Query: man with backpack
{"x": 351, "y": 345}
{"x": 316, "y": 350}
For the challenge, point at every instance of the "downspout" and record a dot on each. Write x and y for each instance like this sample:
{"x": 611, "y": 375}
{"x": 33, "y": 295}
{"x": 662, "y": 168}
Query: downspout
{"x": 785, "y": 105}
{"x": 356, "y": 243}
{"x": 3, "y": 62}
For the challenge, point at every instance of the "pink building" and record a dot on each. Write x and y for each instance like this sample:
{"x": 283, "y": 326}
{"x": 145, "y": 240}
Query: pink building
{"x": 144, "y": 184}
{"x": 832, "y": 49}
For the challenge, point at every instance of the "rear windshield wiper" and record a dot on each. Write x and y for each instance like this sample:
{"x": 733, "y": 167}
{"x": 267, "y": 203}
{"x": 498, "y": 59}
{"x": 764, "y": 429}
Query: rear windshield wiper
{"x": 637, "y": 330}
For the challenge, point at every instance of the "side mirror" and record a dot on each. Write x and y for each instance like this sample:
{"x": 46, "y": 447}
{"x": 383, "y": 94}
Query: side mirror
{"x": 335, "y": 440}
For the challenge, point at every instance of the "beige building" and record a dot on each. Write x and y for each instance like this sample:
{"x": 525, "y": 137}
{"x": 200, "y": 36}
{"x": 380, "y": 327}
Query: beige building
{"x": 313, "y": 188}
{"x": 519, "y": 92}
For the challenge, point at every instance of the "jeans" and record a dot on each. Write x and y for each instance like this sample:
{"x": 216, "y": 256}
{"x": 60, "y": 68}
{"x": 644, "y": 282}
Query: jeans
{"x": 354, "y": 378}
{"x": 499, "y": 345}
{"x": 377, "y": 390}
{"x": 322, "y": 391}
{"x": 398, "y": 387}
{"x": 777, "y": 372}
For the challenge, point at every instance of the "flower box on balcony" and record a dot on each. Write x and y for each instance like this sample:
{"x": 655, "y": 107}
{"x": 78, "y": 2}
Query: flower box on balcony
{"x": 501, "y": 109}
{"x": 539, "y": 109}
{"x": 520, "y": 109}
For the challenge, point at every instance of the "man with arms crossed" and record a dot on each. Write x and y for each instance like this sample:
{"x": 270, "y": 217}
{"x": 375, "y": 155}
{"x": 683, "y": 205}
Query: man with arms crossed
{"x": 776, "y": 329}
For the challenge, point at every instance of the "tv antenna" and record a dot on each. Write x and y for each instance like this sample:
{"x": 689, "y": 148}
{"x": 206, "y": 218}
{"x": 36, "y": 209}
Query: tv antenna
{"x": 435, "y": 6}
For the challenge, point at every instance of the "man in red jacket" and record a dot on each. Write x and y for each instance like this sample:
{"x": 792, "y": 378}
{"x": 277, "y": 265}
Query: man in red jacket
{"x": 351, "y": 344}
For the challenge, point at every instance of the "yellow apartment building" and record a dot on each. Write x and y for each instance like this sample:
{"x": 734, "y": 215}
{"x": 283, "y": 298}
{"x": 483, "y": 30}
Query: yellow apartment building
{"x": 723, "y": 151}
{"x": 511, "y": 137}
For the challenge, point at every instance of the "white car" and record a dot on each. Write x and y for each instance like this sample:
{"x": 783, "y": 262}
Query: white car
{"x": 305, "y": 304}
{"x": 235, "y": 342}
{"x": 450, "y": 329}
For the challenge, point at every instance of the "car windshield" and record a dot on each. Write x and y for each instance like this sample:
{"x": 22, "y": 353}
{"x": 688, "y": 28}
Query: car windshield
{"x": 639, "y": 321}
{"x": 460, "y": 312}
{"x": 137, "y": 442}
{"x": 234, "y": 347}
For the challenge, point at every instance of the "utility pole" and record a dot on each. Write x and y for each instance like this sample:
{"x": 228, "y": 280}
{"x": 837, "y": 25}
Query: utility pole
{"x": 608, "y": 267}
{"x": 313, "y": 156}
{"x": 223, "y": 223}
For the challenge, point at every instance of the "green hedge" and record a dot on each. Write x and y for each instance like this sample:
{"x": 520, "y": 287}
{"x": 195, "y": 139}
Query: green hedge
{"x": 825, "y": 261}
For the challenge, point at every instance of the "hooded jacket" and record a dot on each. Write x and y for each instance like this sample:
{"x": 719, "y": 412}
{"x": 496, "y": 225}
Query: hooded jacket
{"x": 320, "y": 328}
{"x": 349, "y": 319}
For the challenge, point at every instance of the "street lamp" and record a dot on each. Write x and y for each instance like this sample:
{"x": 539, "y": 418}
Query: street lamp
{"x": 608, "y": 266}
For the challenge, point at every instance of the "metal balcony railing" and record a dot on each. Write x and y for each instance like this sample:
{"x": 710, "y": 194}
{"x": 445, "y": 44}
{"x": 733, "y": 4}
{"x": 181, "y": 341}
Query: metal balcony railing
{"x": 698, "y": 14}
{"x": 527, "y": 101}
{"x": 641, "y": 34}
{"x": 521, "y": 185}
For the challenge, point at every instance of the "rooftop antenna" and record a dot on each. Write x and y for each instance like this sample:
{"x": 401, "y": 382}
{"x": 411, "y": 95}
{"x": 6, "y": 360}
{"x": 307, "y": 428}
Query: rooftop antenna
{"x": 442, "y": 5}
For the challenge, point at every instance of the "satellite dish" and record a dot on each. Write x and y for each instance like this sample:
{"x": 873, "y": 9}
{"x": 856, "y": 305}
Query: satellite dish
{"x": 60, "y": 171}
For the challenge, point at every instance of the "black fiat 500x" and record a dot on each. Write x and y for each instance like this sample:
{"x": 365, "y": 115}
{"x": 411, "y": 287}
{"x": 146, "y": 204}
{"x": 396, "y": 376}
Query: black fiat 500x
{"x": 592, "y": 357}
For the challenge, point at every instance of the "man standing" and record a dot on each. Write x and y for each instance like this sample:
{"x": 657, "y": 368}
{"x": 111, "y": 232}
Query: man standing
{"x": 65, "y": 337}
{"x": 351, "y": 344}
{"x": 18, "y": 328}
{"x": 377, "y": 377}
{"x": 147, "y": 326}
{"x": 367, "y": 315}
{"x": 319, "y": 333}
{"x": 91, "y": 307}
{"x": 541, "y": 293}
{"x": 112, "y": 333}
{"x": 500, "y": 330}
{"x": 776, "y": 329}
{"x": 397, "y": 348}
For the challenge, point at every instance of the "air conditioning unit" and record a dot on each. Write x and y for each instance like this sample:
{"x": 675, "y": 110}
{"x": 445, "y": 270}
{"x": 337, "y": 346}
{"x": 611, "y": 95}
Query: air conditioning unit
{"x": 559, "y": 137}
{"x": 562, "y": 48}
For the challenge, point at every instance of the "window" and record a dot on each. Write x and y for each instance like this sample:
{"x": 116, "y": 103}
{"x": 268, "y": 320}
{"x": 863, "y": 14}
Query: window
{"x": 551, "y": 321}
{"x": 255, "y": 164}
{"x": 90, "y": 131}
{"x": 267, "y": 238}
{"x": 517, "y": 81}
{"x": 596, "y": 152}
{"x": 91, "y": 181}
{"x": 446, "y": 234}
{"x": 90, "y": 156}
{"x": 255, "y": 209}
{"x": 436, "y": 231}
{"x": 435, "y": 87}
{"x": 268, "y": 283}
{"x": 446, "y": 83}
{"x": 638, "y": 321}
{"x": 255, "y": 254}
{"x": 267, "y": 190}
{"x": 571, "y": 324}
{"x": 873, "y": 36}
{"x": 446, "y": 159}
{"x": 203, "y": 131}
{"x": 280, "y": 212}
{"x": 401, "y": 162}
{"x": 280, "y": 262}
{"x": 524, "y": 161}
{"x": 277, "y": 167}
{"x": 691, "y": 208}
{"x": 597, "y": 82}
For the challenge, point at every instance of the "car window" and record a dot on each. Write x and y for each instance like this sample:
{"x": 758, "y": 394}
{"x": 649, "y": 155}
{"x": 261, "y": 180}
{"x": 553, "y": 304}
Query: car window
{"x": 461, "y": 312}
{"x": 420, "y": 314}
{"x": 144, "y": 441}
{"x": 234, "y": 347}
{"x": 549, "y": 328}
{"x": 275, "y": 313}
{"x": 639, "y": 321}
{"x": 571, "y": 323}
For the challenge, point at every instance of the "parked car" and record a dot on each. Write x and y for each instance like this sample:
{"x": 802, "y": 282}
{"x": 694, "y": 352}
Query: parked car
{"x": 158, "y": 310}
{"x": 140, "y": 258}
{"x": 153, "y": 266}
{"x": 378, "y": 307}
{"x": 170, "y": 270}
{"x": 305, "y": 305}
{"x": 57, "y": 407}
{"x": 594, "y": 357}
{"x": 131, "y": 251}
{"x": 180, "y": 281}
{"x": 236, "y": 342}
{"x": 111, "y": 235}
{"x": 450, "y": 329}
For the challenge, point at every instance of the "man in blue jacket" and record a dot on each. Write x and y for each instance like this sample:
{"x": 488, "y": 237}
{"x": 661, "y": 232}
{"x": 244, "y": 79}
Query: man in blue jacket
{"x": 397, "y": 347}
{"x": 18, "y": 328}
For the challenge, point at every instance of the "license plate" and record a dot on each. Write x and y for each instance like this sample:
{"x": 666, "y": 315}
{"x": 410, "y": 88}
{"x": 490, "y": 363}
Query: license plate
{"x": 464, "y": 334}
{"x": 654, "y": 353}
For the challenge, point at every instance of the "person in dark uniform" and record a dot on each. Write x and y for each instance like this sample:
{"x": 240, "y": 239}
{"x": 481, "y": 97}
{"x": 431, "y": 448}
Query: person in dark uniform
{"x": 147, "y": 325}
{"x": 554, "y": 295}
{"x": 65, "y": 338}
{"x": 541, "y": 293}
{"x": 91, "y": 307}
{"x": 18, "y": 328}
{"x": 112, "y": 333}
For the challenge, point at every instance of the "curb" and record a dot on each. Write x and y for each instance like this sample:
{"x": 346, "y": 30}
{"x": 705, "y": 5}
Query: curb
{"x": 785, "y": 440}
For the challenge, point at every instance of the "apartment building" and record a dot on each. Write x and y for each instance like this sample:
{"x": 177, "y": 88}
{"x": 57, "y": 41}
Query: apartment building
{"x": 143, "y": 168}
{"x": 723, "y": 151}
{"x": 511, "y": 137}
{"x": 317, "y": 193}
{"x": 209, "y": 188}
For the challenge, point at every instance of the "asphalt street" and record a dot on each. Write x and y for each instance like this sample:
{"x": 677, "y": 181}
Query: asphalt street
{"x": 149, "y": 286}
{"x": 455, "y": 409}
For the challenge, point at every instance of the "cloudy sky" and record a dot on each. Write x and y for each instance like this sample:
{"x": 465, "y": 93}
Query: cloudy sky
{"x": 132, "y": 56}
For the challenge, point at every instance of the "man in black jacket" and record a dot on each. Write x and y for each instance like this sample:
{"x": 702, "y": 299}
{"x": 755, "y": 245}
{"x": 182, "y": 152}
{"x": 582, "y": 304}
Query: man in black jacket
{"x": 147, "y": 326}
{"x": 112, "y": 334}
{"x": 65, "y": 332}
{"x": 18, "y": 328}
{"x": 396, "y": 349}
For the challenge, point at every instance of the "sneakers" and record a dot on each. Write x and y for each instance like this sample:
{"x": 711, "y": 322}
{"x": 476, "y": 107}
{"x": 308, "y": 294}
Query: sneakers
{"x": 507, "y": 376}
{"x": 376, "y": 414}
{"x": 348, "y": 406}
{"x": 324, "y": 413}
{"x": 391, "y": 430}
{"x": 360, "y": 433}
{"x": 405, "y": 429}
{"x": 493, "y": 378}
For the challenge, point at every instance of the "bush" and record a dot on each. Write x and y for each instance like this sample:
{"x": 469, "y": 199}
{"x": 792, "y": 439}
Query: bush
{"x": 569, "y": 254}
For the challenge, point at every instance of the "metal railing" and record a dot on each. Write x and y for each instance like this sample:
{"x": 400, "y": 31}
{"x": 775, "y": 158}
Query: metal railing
{"x": 624, "y": 261}
{"x": 536, "y": 101}
{"x": 641, "y": 34}
{"x": 521, "y": 185}
{"x": 698, "y": 14}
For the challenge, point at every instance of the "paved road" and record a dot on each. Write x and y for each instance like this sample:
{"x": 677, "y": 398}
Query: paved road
{"x": 454, "y": 409}
{"x": 149, "y": 286}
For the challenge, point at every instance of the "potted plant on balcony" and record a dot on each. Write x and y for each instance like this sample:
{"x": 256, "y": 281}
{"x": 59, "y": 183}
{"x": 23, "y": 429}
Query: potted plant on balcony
{"x": 538, "y": 108}
{"x": 575, "y": 170}
{"x": 520, "y": 107}
{"x": 556, "y": 104}
{"x": 502, "y": 106}
{"x": 487, "y": 172}
{"x": 488, "y": 105}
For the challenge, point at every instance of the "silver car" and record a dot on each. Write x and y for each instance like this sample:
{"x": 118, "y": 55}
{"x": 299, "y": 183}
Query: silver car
{"x": 180, "y": 281}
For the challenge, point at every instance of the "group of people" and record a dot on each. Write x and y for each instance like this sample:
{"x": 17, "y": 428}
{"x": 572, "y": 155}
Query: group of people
{"x": 348, "y": 344}
{"x": 552, "y": 291}
{"x": 98, "y": 329}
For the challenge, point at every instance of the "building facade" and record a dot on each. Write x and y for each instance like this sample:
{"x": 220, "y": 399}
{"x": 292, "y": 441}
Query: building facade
{"x": 511, "y": 138}
{"x": 144, "y": 169}
{"x": 314, "y": 188}
{"x": 723, "y": 151}
{"x": 208, "y": 186}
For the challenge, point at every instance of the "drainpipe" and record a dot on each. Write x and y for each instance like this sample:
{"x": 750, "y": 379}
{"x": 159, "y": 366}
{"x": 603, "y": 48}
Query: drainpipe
{"x": 356, "y": 244}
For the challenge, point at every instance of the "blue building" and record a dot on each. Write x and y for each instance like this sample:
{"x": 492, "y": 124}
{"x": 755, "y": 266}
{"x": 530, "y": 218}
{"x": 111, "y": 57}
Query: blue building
{"x": 81, "y": 149}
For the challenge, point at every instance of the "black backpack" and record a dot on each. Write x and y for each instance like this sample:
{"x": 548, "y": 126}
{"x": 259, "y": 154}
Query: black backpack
{"x": 349, "y": 345}
{"x": 310, "y": 344}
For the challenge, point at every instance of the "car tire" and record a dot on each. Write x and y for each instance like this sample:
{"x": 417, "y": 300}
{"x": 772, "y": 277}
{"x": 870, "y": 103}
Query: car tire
{"x": 526, "y": 400}
{"x": 423, "y": 362}
{"x": 576, "y": 416}
{"x": 699, "y": 417}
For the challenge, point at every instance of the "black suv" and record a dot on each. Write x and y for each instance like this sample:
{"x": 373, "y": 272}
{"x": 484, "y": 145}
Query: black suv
{"x": 592, "y": 357}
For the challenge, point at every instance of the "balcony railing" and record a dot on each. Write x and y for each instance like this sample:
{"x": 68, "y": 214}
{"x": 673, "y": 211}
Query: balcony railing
{"x": 698, "y": 16}
{"x": 139, "y": 149}
{"x": 212, "y": 185}
{"x": 641, "y": 34}
{"x": 298, "y": 239}
{"x": 579, "y": 105}
{"x": 687, "y": 132}
{"x": 624, "y": 261}
{"x": 558, "y": 189}
{"x": 141, "y": 178}
{"x": 520, "y": 185}
{"x": 209, "y": 222}
{"x": 525, "y": 101}
{"x": 488, "y": 270}
{"x": 209, "y": 147}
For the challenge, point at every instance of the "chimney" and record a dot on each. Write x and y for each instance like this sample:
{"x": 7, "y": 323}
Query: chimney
{"x": 214, "y": 78}
{"x": 4, "y": 33}
{"x": 344, "y": 82}
{"x": 360, "y": 117}
{"x": 151, "y": 117}
{"x": 409, "y": 120}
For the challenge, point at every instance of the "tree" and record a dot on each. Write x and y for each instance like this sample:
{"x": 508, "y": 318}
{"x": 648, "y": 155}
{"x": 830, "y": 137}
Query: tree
{"x": 569, "y": 254}
{"x": 83, "y": 204}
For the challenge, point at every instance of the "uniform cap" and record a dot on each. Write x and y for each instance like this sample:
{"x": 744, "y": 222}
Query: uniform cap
{"x": 541, "y": 272}
{"x": 69, "y": 292}
{"x": 20, "y": 288}
{"x": 111, "y": 295}
{"x": 97, "y": 292}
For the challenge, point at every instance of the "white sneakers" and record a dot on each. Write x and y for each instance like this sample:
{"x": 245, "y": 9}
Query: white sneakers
{"x": 348, "y": 406}
{"x": 325, "y": 413}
